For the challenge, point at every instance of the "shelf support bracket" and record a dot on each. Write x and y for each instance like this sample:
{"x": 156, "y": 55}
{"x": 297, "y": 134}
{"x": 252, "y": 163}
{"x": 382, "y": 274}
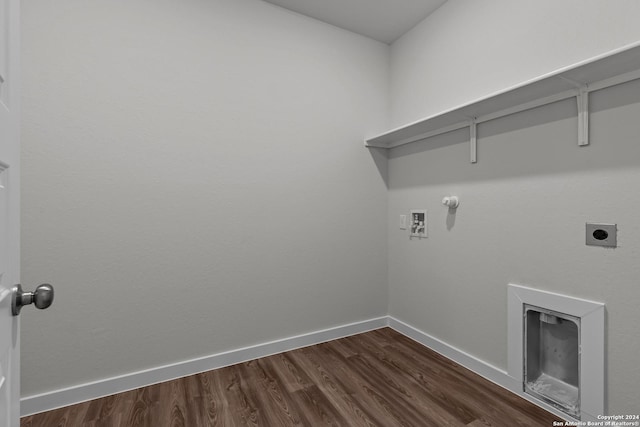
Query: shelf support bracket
{"x": 583, "y": 110}
{"x": 583, "y": 116}
{"x": 473, "y": 140}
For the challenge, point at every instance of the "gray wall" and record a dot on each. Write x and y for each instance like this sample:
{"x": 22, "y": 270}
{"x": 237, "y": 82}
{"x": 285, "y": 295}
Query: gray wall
{"x": 194, "y": 182}
{"x": 468, "y": 49}
{"x": 521, "y": 220}
{"x": 525, "y": 203}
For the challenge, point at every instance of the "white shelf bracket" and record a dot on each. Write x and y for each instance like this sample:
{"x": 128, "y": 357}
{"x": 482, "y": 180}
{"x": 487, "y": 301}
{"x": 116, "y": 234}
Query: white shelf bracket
{"x": 583, "y": 110}
{"x": 583, "y": 116}
{"x": 473, "y": 140}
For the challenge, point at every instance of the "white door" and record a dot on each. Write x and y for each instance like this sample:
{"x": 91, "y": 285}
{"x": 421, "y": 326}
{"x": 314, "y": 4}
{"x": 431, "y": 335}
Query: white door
{"x": 9, "y": 212}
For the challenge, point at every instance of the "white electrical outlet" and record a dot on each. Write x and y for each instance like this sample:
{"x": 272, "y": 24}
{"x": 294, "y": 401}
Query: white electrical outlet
{"x": 418, "y": 226}
{"x": 403, "y": 222}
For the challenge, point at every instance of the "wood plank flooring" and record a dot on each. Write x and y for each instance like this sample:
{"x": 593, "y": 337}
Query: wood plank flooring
{"x": 379, "y": 378}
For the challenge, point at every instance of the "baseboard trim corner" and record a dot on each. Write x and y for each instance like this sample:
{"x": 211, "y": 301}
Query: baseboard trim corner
{"x": 34, "y": 404}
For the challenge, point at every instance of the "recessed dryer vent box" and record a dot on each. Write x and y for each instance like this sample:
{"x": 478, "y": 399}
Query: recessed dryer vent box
{"x": 552, "y": 358}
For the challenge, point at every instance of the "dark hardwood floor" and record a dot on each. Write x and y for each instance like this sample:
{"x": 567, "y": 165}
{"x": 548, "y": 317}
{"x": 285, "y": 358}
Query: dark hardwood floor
{"x": 379, "y": 378}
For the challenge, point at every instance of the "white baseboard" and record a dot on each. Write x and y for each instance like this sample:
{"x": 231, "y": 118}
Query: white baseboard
{"x": 81, "y": 393}
{"x": 30, "y": 405}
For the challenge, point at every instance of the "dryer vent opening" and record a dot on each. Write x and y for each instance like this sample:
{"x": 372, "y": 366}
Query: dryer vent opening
{"x": 552, "y": 358}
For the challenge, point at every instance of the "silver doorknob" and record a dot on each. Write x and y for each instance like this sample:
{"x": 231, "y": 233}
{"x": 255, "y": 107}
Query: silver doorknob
{"x": 41, "y": 298}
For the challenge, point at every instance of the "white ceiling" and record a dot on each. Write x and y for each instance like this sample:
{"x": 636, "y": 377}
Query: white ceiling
{"x": 382, "y": 20}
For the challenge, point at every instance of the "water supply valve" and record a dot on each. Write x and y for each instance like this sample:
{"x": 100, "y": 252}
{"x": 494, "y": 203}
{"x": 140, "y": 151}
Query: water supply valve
{"x": 451, "y": 202}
